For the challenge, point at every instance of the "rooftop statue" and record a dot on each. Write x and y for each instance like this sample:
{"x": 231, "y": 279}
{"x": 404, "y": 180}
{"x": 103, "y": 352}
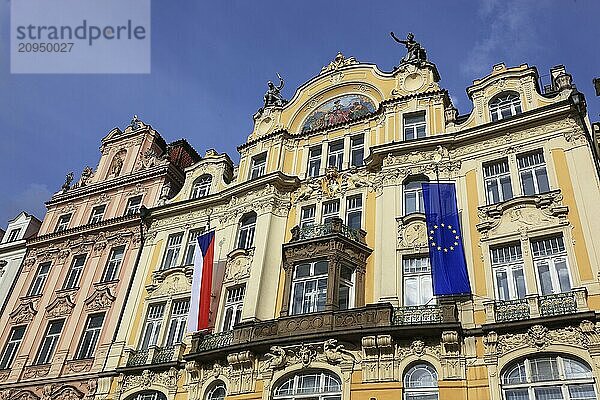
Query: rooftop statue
{"x": 415, "y": 54}
{"x": 273, "y": 96}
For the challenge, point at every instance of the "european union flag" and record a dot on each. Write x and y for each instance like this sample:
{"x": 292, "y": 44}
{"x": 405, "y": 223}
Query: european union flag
{"x": 446, "y": 252}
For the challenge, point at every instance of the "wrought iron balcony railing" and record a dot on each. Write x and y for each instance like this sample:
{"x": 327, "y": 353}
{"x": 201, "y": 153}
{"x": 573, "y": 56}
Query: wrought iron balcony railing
{"x": 137, "y": 358}
{"x": 425, "y": 314}
{"x": 163, "y": 354}
{"x": 534, "y": 306}
{"x": 336, "y": 225}
{"x": 154, "y": 355}
{"x": 511, "y": 310}
{"x": 213, "y": 341}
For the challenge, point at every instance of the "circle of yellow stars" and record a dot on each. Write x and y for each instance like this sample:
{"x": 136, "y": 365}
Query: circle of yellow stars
{"x": 437, "y": 246}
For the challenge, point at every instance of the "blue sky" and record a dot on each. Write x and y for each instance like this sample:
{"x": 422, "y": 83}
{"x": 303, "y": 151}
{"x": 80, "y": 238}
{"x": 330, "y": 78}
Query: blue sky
{"x": 210, "y": 63}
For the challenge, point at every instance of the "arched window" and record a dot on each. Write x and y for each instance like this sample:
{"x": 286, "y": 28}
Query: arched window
{"x": 314, "y": 385}
{"x": 148, "y": 395}
{"x": 505, "y": 105}
{"x": 246, "y": 235}
{"x": 201, "y": 186}
{"x": 420, "y": 383}
{"x": 216, "y": 391}
{"x": 413, "y": 194}
{"x": 548, "y": 377}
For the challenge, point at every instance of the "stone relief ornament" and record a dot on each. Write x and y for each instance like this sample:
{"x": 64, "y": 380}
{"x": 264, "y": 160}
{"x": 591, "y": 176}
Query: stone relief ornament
{"x": 238, "y": 266}
{"x": 276, "y": 358}
{"x": 336, "y": 353}
{"x": 334, "y": 184}
{"x": 62, "y": 305}
{"x": 23, "y": 313}
{"x": 339, "y": 62}
{"x": 412, "y": 232}
{"x": 101, "y": 299}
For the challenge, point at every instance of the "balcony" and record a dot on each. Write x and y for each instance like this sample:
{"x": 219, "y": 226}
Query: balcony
{"x": 335, "y": 226}
{"x": 425, "y": 314}
{"x": 154, "y": 355}
{"x": 534, "y": 306}
{"x": 215, "y": 341}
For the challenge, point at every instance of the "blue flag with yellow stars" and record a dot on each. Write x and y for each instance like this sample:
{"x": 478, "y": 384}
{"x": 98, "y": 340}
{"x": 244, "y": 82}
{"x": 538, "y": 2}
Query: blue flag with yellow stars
{"x": 446, "y": 251}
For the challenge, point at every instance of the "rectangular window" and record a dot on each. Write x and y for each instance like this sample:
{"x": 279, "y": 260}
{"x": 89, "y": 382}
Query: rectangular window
{"x": 413, "y": 197}
{"x": 75, "y": 271}
{"x": 178, "y": 323}
{"x": 532, "y": 170}
{"x": 247, "y": 229}
{"x": 550, "y": 260}
{"x": 97, "y": 214}
{"x": 234, "y": 301}
{"x": 357, "y": 150}
{"x": 335, "y": 156}
{"x": 50, "y": 341}
{"x": 40, "y": 278}
{"x": 309, "y": 287}
{"x": 331, "y": 209}
{"x": 13, "y": 234}
{"x": 507, "y": 267}
{"x": 354, "y": 211}
{"x": 414, "y": 126}
{"x": 258, "y": 166}
{"x": 172, "y": 252}
{"x": 497, "y": 181}
{"x": 115, "y": 258}
{"x": 12, "y": 346}
{"x": 89, "y": 340}
{"x": 63, "y": 222}
{"x": 418, "y": 286}
{"x": 346, "y": 288}
{"x": 314, "y": 161}
{"x": 152, "y": 326}
{"x": 191, "y": 246}
{"x": 307, "y": 216}
{"x": 133, "y": 205}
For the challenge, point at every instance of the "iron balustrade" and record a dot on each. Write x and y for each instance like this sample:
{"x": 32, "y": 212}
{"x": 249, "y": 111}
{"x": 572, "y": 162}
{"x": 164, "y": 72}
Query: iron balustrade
{"x": 425, "y": 314}
{"x": 557, "y": 304}
{"x": 137, "y": 357}
{"x": 213, "y": 341}
{"x": 512, "y": 310}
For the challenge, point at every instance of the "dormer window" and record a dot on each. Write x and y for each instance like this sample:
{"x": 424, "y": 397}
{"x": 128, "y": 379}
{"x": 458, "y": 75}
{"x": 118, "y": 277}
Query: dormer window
{"x": 13, "y": 234}
{"x": 201, "y": 186}
{"x": 415, "y": 126}
{"x": 505, "y": 105}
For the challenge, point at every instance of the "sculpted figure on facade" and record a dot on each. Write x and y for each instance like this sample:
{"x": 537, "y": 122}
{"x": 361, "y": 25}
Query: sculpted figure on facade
{"x": 276, "y": 358}
{"x": 415, "y": 54}
{"x": 68, "y": 180}
{"x": 273, "y": 95}
{"x": 336, "y": 353}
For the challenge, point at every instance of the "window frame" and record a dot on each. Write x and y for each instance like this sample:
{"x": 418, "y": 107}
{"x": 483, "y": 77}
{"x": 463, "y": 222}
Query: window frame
{"x": 54, "y": 338}
{"x": 177, "y": 325}
{"x": 498, "y": 103}
{"x": 408, "y": 390}
{"x": 247, "y": 231}
{"x": 508, "y": 266}
{"x": 313, "y": 168}
{"x": 235, "y": 303}
{"x": 75, "y": 272}
{"x": 13, "y": 234}
{"x": 212, "y": 389}
{"x": 61, "y": 224}
{"x": 113, "y": 265}
{"x": 190, "y": 248}
{"x": 534, "y": 170}
{"x": 496, "y": 178}
{"x": 135, "y": 209}
{"x": 296, "y": 391}
{"x": 309, "y": 221}
{"x": 336, "y": 155}
{"x": 357, "y": 150}
{"x": 313, "y": 302}
{"x": 420, "y": 276}
{"x": 95, "y": 216}
{"x": 413, "y": 127}
{"x": 12, "y": 345}
{"x": 258, "y": 165}
{"x": 153, "y": 323}
{"x": 352, "y": 209}
{"x": 201, "y": 186}
{"x": 39, "y": 276}
{"x": 551, "y": 260}
{"x": 326, "y": 217}
{"x": 409, "y": 187}
{"x": 172, "y": 251}
{"x": 93, "y": 333}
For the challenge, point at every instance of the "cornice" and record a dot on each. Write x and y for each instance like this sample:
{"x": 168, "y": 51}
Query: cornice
{"x": 537, "y": 117}
{"x": 111, "y": 184}
{"x": 102, "y": 226}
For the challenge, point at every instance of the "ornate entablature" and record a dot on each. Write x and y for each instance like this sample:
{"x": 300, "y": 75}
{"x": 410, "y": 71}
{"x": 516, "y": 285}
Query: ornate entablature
{"x": 521, "y": 215}
{"x": 334, "y": 184}
{"x": 162, "y": 381}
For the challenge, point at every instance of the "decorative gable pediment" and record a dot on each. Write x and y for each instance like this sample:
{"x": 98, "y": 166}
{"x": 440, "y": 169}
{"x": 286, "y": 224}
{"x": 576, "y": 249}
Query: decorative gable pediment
{"x": 101, "y": 299}
{"x": 23, "y": 313}
{"x": 523, "y": 214}
{"x": 62, "y": 305}
{"x": 169, "y": 283}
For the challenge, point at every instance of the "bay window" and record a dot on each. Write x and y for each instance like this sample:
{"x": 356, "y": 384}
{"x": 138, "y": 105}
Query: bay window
{"x": 309, "y": 287}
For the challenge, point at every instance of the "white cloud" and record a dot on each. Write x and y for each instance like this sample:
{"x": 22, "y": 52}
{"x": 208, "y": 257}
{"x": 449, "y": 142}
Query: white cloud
{"x": 510, "y": 35}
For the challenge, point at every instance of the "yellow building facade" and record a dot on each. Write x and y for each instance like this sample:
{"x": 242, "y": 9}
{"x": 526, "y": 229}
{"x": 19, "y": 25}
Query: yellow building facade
{"x": 322, "y": 286}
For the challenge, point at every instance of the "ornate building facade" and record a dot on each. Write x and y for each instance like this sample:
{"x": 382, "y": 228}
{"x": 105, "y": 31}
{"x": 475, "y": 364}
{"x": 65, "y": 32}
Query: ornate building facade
{"x": 322, "y": 287}
{"x": 63, "y": 312}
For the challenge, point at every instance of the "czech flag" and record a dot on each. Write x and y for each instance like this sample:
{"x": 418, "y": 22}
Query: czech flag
{"x": 202, "y": 283}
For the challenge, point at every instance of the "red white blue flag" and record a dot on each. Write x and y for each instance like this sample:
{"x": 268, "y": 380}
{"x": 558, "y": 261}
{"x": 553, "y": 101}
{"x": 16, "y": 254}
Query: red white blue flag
{"x": 198, "y": 318}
